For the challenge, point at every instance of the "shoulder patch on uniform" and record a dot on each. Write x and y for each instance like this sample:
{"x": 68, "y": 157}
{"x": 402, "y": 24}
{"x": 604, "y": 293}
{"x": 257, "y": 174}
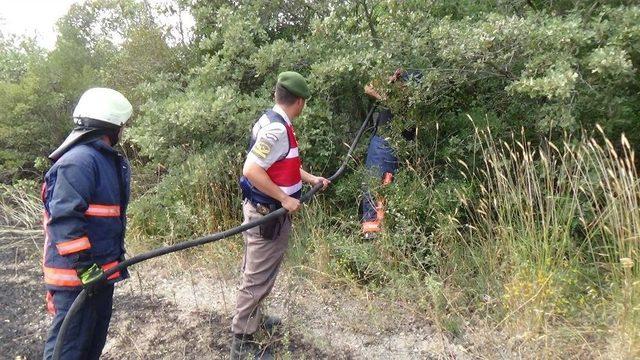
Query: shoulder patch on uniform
{"x": 261, "y": 149}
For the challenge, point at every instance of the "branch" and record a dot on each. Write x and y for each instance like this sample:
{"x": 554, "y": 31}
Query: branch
{"x": 531, "y": 4}
{"x": 501, "y": 71}
{"x": 369, "y": 15}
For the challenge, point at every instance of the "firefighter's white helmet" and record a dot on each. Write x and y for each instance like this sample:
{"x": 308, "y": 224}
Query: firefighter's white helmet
{"x": 105, "y": 105}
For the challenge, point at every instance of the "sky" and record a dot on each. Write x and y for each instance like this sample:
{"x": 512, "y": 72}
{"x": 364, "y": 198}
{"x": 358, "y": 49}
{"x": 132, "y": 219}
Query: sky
{"x": 38, "y": 18}
{"x": 33, "y": 17}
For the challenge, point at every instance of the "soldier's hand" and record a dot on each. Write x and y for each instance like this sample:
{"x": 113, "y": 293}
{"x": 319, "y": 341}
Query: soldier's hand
{"x": 325, "y": 182}
{"x": 291, "y": 204}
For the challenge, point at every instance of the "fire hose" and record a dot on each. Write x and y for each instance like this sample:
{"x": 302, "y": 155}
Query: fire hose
{"x": 100, "y": 281}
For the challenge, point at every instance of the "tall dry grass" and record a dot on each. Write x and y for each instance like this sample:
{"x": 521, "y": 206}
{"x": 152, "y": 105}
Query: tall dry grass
{"x": 20, "y": 206}
{"x": 555, "y": 237}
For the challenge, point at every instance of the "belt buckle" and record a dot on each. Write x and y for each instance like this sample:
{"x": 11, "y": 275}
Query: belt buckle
{"x": 262, "y": 210}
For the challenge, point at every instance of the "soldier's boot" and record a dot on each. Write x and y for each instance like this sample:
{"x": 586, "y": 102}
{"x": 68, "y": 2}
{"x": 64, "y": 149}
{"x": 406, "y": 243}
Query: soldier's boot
{"x": 271, "y": 324}
{"x": 243, "y": 347}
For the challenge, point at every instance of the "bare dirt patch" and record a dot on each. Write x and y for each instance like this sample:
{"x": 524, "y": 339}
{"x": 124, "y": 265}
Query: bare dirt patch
{"x": 166, "y": 311}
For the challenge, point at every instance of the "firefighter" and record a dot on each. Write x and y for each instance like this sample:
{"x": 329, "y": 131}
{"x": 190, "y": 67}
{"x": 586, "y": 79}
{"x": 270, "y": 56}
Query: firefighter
{"x": 272, "y": 178}
{"x": 381, "y": 161}
{"x": 85, "y": 195}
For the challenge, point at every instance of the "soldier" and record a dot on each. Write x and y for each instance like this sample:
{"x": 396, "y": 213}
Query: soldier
{"x": 272, "y": 178}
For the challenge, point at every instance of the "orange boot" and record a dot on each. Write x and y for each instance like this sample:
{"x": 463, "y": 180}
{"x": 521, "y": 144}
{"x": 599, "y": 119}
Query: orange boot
{"x": 371, "y": 228}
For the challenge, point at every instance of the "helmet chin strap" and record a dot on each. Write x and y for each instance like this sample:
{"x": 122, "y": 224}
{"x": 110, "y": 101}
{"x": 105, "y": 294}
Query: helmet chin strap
{"x": 114, "y": 136}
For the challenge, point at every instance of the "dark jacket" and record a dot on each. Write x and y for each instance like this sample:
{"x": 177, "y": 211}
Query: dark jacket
{"x": 85, "y": 196}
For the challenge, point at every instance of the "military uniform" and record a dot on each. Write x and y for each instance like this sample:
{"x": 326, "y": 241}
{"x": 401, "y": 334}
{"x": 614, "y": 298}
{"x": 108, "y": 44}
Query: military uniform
{"x": 273, "y": 147}
{"x": 273, "y": 162}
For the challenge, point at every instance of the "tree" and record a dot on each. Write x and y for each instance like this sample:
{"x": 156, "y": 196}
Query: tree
{"x": 113, "y": 43}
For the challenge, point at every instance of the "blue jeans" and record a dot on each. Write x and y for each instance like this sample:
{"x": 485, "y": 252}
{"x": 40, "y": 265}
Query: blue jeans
{"x": 87, "y": 333}
{"x": 380, "y": 160}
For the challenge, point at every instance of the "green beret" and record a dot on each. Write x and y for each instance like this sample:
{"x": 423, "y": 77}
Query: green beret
{"x": 295, "y": 83}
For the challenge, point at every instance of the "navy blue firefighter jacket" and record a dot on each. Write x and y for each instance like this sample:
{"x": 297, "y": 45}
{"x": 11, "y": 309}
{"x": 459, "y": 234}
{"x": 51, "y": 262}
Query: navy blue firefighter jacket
{"x": 85, "y": 196}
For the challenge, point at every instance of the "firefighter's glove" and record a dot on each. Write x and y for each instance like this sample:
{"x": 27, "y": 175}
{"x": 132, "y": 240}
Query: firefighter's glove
{"x": 89, "y": 274}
